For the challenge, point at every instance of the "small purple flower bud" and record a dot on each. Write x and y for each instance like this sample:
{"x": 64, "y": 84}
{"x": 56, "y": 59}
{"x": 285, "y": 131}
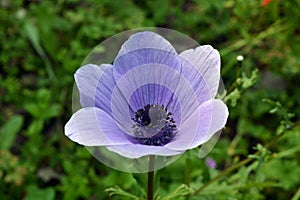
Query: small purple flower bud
{"x": 211, "y": 163}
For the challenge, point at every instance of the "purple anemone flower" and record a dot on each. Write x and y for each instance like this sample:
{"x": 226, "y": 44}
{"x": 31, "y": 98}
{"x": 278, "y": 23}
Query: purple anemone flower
{"x": 150, "y": 101}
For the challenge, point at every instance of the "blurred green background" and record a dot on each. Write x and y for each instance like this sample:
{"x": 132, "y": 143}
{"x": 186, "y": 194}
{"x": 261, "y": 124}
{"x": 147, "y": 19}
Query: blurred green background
{"x": 42, "y": 43}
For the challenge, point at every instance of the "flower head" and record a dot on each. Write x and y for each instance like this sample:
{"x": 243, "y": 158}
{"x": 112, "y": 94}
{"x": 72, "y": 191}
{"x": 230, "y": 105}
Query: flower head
{"x": 150, "y": 101}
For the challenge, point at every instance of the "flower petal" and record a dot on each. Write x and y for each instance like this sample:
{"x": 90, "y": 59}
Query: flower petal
{"x": 154, "y": 94}
{"x": 139, "y": 150}
{"x": 202, "y": 67}
{"x": 209, "y": 118}
{"x": 143, "y": 40}
{"x": 105, "y": 87}
{"x": 148, "y": 52}
{"x": 95, "y": 84}
{"x": 147, "y": 57}
{"x": 157, "y": 77}
{"x": 94, "y": 127}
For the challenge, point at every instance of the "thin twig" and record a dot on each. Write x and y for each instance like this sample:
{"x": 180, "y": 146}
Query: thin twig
{"x": 245, "y": 161}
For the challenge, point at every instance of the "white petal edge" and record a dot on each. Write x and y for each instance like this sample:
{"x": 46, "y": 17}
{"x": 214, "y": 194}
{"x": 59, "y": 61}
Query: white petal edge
{"x": 138, "y": 150}
{"x": 146, "y": 39}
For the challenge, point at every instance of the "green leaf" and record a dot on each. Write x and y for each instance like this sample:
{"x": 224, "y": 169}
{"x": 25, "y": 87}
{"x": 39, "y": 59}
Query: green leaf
{"x": 116, "y": 190}
{"x": 278, "y": 108}
{"x": 181, "y": 191}
{"x": 248, "y": 82}
{"x": 33, "y": 109}
{"x": 35, "y": 127}
{"x": 296, "y": 195}
{"x": 41, "y": 107}
{"x": 9, "y": 131}
{"x": 35, "y": 193}
{"x": 233, "y": 97}
{"x": 141, "y": 180}
{"x": 53, "y": 111}
{"x": 32, "y": 33}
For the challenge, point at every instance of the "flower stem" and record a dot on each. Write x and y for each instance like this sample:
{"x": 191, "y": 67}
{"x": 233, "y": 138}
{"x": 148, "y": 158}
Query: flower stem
{"x": 187, "y": 169}
{"x": 150, "y": 178}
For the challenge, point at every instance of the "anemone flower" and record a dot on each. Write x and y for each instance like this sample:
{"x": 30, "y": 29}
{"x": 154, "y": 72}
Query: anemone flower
{"x": 150, "y": 101}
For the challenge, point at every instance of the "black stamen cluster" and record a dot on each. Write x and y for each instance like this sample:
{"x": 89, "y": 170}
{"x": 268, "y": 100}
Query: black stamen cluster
{"x": 164, "y": 135}
{"x": 142, "y": 116}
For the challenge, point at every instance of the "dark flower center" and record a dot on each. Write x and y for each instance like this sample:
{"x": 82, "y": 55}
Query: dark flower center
{"x": 154, "y": 125}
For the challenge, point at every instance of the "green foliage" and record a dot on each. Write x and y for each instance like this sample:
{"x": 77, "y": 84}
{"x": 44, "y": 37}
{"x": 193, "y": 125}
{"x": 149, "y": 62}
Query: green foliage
{"x": 35, "y": 193}
{"x": 180, "y": 191}
{"x": 9, "y": 131}
{"x": 44, "y": 42}
{"x": 116, "y": 190}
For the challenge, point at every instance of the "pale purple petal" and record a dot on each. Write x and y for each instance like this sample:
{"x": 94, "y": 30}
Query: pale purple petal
{"x": 146, "y": 57}
{"x": 143, "y": 40}
{"x": 105, "y": 87}
{"x": 160, "y": 75}
{"x": 210, "y": 117}
{"x": 155, "y": 94}
{"x": 187, "y": 99}
{"x": 146, "y": 76}
{"x": 93, "y": 127}
{"x": 143, "y": 66}
{"x": 139, "y": 150}
{"x": 201, "y": 66}
{"x": 96, "y": 85}
{"x": 87, "y": 79}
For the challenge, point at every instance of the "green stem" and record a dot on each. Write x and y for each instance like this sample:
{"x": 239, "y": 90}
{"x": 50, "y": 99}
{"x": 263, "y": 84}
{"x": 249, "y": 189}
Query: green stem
{"x": 187, "y": 169}
{"x": 150, "y": 178}
{"x": 243, "y": 162}
{"x": 238, "y": 74}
